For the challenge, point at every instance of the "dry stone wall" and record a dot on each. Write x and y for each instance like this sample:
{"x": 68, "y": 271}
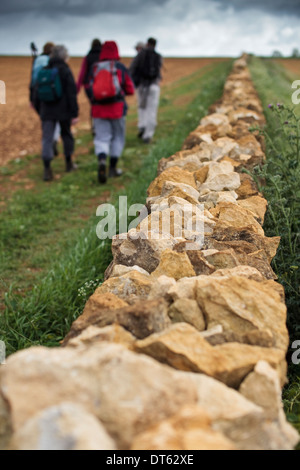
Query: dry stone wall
{"x": 180, "y": 348}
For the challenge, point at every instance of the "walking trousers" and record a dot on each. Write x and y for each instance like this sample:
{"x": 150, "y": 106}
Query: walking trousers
{"x": 48, "y": 128}
{"x": 148, "y": 101}
{"x": 109, "y": 136}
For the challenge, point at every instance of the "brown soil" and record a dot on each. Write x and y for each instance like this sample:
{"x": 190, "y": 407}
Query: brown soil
{"x": 293, "y": 65}
{"x": 20, "y": 132}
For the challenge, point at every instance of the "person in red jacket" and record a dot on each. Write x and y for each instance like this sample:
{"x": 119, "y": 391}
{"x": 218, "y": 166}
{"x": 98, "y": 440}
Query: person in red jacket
{"x": 109, "y": 117}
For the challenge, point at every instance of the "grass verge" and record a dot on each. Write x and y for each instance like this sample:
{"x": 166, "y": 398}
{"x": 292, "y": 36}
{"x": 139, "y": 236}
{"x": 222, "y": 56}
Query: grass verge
{"x": 282, "y": 190}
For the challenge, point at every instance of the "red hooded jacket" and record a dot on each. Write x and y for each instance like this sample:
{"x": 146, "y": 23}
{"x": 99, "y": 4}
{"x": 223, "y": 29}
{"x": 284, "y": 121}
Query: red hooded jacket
{"x": 114, "y": 110}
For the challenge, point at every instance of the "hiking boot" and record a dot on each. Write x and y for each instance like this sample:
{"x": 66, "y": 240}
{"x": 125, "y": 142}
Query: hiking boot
{"x": 102, "y": 178}
{"x": 48, "y": 175}
{"x": 115, "y": 173}
{"x": 141, "y": 132}
{"x": 70, "y": 166}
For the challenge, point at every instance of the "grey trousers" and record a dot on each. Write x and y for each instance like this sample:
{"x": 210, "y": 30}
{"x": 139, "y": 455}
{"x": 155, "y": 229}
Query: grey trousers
{"x": 48, "y": 128}
{"x": 109, "y": 136}
{"x": 148, "y": 101}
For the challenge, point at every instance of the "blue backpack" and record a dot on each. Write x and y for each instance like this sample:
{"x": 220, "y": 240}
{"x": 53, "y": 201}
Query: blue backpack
{"x": 40, "y": 62}
{"x": 49, "y": 86}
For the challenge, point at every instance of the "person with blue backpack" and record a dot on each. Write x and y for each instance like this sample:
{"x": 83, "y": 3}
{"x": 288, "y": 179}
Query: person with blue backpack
{"x": 39, "y": 63}
{"x": 55, "y": 99}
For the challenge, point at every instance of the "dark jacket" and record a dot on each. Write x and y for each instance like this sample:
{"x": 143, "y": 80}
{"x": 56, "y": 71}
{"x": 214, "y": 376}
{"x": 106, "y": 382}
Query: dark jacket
{"x": 114, "y": 110}
{"x": 87, "y": 68}
{"x": 136, "y": 68}
{"x": 67, "y": 107}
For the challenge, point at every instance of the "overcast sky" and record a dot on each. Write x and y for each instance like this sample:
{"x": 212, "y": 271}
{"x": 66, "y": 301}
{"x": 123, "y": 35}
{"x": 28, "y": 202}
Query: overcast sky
{"x": 182, "y": 27}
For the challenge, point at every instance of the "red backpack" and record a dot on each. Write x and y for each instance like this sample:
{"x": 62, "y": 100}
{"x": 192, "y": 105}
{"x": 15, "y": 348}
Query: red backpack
{"x": 105, "y": 85}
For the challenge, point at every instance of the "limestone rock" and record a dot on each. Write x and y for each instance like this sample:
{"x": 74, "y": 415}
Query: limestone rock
{"x": 220, "y": 168}
{"x": 262, "y": 338}
{"x": 141, "y": 319}
{"x": 177, "y": 189}
{"x": 240, "y": 271}
{"x": 63, "y": 427}
{"x": 5, "y": 423}
{"x": 99, "y": 301}
{"x": 221, "y": 402}
{"x": 119, "y": 270}
{"x": 233, "y": 216}
{"x": 235, "y": 256}
{"x": 241, "y": 305}
{"x": 200, "y": 263}
{"x": 258, "y": 260}
{"x": 225, "y": 259}
{"x": 143, "y": 250}
{"x": 161, "y": 287}
{"x": 115, "y": 385}
{"x": 246, "y": 114}
{"x": 133, "y": 286}
{"x": 242, "y": 240}
{"x": 112, "y": 334}
{"x": 262, "y": 387}
{"x": 223, "y": 182}
{"x": 257, "y": 205}
{"x": 247, "y": 144}
{"x": 201, "y": 175}
{"x": 174, "y": 265}
{"x": 187, "y": 310}
{"x": 184, "y": 289}
{"x": 215, "y": 119}
{"x": 189, "y": 429}
{"x": 190, "y": 163}
{"x": 166, "y": 222}
{"x": 247, "y": 188}
{"x": 184, "y": 348}
{"x": 175, "y": 174}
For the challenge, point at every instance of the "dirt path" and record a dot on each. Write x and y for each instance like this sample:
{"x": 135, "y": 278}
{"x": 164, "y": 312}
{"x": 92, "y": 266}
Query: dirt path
{"x": 20, "y": 132}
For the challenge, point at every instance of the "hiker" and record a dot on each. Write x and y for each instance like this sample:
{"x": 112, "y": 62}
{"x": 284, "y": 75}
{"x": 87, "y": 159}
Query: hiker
{"x": 140, "y": 46}
{"x": 110, "y": 83}
{"x": 39, "y": 63}
{"x": 56, "y": 101}
{"x": 146, "y": 72}
{"x": 87, "y": 67}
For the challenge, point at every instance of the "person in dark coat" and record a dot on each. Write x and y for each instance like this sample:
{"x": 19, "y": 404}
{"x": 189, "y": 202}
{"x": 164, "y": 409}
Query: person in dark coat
{"x": 64, "y": 110}
{"x": 146, "y": 72}
{"x": 87, "y": 67}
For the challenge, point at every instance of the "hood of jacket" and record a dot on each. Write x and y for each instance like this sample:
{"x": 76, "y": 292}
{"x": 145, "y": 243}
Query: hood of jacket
{"x": 109, "y": 51}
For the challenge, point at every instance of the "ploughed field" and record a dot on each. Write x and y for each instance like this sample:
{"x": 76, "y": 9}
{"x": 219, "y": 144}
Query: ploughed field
{"x": 292, "y": 65}
{"x": 20, "y": 132}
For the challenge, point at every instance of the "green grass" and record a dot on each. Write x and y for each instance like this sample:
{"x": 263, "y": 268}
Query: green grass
{"x": 281, "y": 176}
{"x": 51, "y": 259}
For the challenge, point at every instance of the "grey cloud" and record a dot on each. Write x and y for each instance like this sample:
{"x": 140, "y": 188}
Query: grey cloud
{"x": 75, "y": 7}
{"x": 277, "y": 7}
{"x": 88, "y": 8}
